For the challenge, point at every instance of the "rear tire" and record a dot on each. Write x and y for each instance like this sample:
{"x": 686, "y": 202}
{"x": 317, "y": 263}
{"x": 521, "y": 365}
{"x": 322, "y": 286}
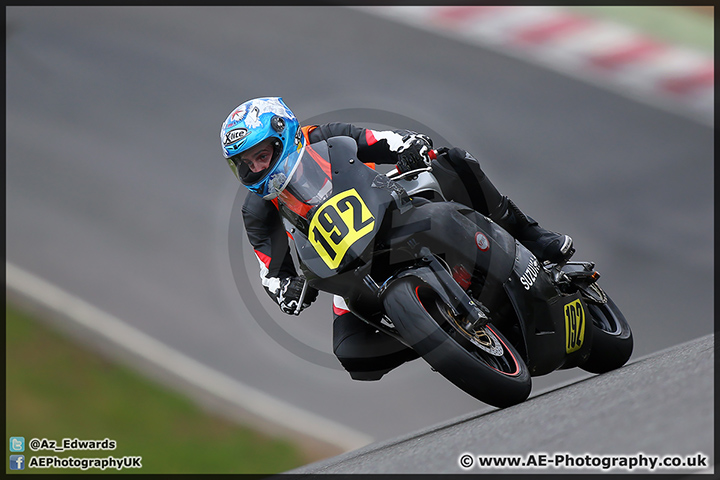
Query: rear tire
{"x": 482, "y": 363}
{"x": 612, "y": 343}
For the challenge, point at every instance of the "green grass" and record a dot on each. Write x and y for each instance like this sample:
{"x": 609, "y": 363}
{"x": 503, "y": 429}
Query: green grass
{"x": 674, "y": 24}
{"x": 56, "y": 389}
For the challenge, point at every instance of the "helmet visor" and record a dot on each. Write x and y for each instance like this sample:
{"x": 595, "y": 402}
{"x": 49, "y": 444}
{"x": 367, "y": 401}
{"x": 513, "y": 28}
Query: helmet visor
{"x": 253, "y": 164}
{"x": 271, "y": 180}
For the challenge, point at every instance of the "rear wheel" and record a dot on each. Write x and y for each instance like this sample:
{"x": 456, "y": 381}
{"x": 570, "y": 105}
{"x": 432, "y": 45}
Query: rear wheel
{"x": 480, "y": 361}
{"x": 612, "y": 342}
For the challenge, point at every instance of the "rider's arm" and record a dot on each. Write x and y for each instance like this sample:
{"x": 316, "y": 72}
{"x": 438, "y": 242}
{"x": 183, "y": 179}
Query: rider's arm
{"x": 374, "y": 146}
{"x": 266, "y": 234}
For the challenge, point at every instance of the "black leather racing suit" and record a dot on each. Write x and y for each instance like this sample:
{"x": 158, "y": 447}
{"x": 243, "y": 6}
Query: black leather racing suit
{"x": 363, "y": 351}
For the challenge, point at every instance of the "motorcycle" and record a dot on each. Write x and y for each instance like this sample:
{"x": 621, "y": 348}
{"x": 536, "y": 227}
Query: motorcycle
{"x": 443, "y": 279}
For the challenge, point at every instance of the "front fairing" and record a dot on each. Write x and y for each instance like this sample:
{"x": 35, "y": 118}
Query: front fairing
{"x": 335, "y": 205}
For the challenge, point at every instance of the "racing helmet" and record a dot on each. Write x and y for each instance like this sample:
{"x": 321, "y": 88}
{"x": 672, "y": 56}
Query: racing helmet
{"x": 253, "y": 122}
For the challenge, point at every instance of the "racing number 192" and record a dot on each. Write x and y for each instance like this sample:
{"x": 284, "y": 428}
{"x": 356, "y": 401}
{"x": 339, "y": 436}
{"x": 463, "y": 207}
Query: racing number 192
{"x": 339, "y": 223}
{"x": 574, "y": 326}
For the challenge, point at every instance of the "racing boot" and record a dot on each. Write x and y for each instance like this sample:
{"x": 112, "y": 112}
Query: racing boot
{"x": 544, "y": 244}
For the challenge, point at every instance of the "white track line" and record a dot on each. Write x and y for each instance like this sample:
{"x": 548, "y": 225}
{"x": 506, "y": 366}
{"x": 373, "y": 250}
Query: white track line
{"x": 151, "y": 350}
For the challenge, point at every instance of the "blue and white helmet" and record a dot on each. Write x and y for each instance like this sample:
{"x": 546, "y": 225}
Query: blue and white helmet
{"x": 253, "y": 122}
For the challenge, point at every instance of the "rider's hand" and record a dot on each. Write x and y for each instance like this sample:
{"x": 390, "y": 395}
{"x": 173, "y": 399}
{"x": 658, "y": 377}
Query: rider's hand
{"x": 289, "y": 295}
{"x": 414, "y": 152}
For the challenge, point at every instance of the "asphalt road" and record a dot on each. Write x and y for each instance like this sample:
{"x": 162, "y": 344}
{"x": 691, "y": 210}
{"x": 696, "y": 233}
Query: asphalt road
{"x": 117, "y": 191}
{"x": 666, "y": 415}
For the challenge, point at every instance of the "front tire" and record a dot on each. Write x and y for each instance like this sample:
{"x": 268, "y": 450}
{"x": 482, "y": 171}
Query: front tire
{"x": 482, "y": 363}
{"x": 612, "y": 338}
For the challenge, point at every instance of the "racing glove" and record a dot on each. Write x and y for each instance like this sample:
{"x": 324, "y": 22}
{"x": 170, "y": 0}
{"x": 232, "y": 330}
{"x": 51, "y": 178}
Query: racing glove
{"x": 413, "y": 153}
{"x": 288, "y": 295}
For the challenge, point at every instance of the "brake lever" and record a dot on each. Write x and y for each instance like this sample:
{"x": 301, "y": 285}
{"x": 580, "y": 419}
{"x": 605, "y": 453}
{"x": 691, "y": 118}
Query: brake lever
{"x": 396, "y": 175}
{"x": 302, "y": 297}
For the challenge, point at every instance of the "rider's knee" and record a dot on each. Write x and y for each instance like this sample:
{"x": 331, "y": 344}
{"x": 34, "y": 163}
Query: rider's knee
{"x": 359, "y": 369}
{"x": 364, "y": 352}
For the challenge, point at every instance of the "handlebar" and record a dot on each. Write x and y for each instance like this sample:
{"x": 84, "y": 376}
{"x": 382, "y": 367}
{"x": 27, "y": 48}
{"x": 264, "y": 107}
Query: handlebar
{"x": 396, "y": 175}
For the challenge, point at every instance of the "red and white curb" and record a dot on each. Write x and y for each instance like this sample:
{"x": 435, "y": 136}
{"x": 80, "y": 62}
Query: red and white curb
{"x": 604, "y": 53}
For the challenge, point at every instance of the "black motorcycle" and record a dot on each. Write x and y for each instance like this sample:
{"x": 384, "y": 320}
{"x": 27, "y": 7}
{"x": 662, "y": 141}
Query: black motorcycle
{"x": 444, "y": 279}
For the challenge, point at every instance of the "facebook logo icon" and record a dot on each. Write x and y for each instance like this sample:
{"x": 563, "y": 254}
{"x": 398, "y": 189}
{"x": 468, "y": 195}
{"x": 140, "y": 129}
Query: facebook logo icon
{"x": 17, "y": 462}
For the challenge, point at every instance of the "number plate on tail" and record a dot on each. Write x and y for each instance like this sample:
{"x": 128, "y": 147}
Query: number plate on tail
{"x": 575, "y": 320}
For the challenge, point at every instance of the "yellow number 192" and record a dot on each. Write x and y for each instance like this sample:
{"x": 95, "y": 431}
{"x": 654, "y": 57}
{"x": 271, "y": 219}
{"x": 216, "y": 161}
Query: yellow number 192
{"x": 338, "y": 224}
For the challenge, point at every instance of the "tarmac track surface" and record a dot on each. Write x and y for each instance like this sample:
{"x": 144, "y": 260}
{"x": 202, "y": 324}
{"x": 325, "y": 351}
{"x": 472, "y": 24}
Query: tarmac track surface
{"x": 668, "y": 412}
{"x": 117, "y": 192}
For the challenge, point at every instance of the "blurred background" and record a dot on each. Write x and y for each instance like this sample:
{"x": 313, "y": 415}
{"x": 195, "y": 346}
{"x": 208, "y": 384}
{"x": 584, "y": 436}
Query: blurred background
{"x": 118, "y": 195}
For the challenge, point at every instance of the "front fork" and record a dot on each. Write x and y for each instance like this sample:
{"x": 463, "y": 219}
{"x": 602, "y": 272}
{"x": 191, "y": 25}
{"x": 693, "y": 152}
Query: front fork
{"x": 430, "y": 271}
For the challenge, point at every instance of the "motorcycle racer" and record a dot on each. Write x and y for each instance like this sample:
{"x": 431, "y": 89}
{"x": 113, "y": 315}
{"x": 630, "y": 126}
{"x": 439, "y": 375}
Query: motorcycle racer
{"x": 262, "y": 142}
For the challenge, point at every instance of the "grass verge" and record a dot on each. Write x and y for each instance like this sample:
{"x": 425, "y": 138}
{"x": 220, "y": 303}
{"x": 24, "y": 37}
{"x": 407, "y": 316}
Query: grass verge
{"x": 689, "y": 27}
{"x": 56, "y": 389}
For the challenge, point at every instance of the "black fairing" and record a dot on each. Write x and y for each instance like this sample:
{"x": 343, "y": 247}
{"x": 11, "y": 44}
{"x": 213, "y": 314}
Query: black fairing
{"x": 541, "y": 309}
{"x": 401, "y": 226}
{"x": 347, "y": 173}
{"x": 545, "y": 325}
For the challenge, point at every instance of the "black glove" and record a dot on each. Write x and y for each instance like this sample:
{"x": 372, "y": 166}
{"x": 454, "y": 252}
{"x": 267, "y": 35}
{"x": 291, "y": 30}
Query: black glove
{"x": 413, "y": 153}
{"x": 289, "y": 293}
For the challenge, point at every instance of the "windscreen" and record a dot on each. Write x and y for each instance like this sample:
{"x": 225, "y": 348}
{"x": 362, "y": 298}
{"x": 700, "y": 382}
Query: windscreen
{"x": 310, "y": 184}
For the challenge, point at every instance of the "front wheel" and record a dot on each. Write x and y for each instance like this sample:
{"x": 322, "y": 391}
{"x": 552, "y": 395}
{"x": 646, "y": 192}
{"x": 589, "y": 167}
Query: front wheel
{"x": 480, "y": 362}
{"x": 612, "y": 339}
